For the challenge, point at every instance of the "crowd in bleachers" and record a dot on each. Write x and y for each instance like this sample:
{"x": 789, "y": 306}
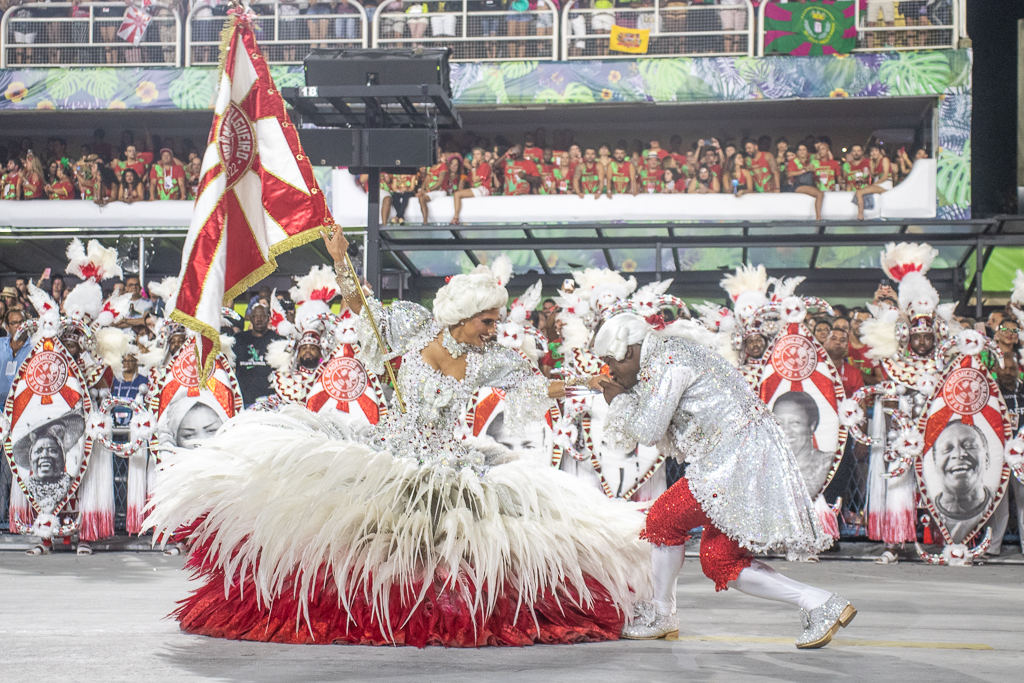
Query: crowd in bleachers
{"x": 712, "y": 27}
{"x": 153, "y": 168}
{"x": 811, "y": 166}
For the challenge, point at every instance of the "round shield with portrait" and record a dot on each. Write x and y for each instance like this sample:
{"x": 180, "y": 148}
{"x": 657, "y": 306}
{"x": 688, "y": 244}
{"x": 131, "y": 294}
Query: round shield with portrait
{"x": 961, "y": 470}
{"x": 46, "y": 447}
{"x": 803, "y": 389}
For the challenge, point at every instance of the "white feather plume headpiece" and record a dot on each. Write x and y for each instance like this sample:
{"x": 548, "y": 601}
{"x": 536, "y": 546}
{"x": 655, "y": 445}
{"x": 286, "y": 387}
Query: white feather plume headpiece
{"x": 908, "y": 263}
{"x": 166, "y": 289}
{"x": 879, "y": 333}
{"x": 748, "y": 289}
{"x": 501, "y": 269}
{"x": 96, "y": 264}
{"x": 85, "y": 301}
{"x": 602, "y": 287}
{"x": 319, "y": 285}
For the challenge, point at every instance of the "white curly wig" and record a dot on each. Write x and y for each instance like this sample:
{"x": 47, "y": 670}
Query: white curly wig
{"x": 466, "y": 295}
{"x": 619, "y": 333}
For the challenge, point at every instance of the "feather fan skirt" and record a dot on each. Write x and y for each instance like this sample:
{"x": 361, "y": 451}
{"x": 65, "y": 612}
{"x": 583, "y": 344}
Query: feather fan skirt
{"x": 303, "y": 534}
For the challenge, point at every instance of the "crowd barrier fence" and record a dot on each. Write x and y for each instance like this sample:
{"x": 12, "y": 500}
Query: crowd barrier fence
{"x": 51, "y": 34}
{"x": 55, "y": 34}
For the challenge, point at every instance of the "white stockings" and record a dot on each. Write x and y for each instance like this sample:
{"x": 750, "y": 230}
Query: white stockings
{"x": 762, "y": 581}
{"x": 758, "y": 580}
{"x": 666, "y": 562}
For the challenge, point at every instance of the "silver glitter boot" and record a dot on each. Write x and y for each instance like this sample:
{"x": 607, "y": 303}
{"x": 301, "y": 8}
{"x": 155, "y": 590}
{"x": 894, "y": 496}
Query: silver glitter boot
{"x": 647, "y": 624}
{"x": 821, "y": 623}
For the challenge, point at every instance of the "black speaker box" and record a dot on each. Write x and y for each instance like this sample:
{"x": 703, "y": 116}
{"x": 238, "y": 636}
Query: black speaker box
{"x": 407, "y": 148}
{"x": 359, "y": 66}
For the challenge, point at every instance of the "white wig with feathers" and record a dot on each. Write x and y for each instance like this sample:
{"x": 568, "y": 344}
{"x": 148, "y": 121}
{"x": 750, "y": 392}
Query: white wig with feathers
{"x": 626, "y": 329}
{"x": 466, "y": 295}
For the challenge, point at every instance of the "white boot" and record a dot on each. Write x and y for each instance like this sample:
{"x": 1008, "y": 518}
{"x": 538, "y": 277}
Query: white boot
{"x": 822, "y": 612}
{"x": 658, "y": 619}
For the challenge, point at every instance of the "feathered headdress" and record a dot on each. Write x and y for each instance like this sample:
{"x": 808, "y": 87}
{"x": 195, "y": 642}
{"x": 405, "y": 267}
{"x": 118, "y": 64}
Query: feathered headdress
{"x": 748, "y": 289}
{"x": 96, "y": 264}
{"x": 85, "y": 301}
{"x": 320, "y": 285}
{"x": 602, "y": 287}
{"x": 512, "y": 332}
{"x": 908, "y": 263}
{"x": 166, "y": 289}
{"x": 501, "y": 269}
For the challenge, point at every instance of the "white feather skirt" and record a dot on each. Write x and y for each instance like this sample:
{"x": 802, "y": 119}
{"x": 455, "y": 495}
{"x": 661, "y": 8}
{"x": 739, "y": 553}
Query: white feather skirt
{"x": 288, "y": 512}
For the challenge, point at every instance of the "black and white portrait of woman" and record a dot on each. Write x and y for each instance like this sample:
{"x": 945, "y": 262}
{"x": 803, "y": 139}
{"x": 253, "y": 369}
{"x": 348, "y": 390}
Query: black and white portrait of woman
{"x": 799, "y": 417}
{"x": 47, "y": 455}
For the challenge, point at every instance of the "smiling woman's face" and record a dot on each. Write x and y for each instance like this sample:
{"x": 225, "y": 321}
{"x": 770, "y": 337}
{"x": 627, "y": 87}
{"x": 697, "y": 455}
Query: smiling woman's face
{"x": 481, "y": 328}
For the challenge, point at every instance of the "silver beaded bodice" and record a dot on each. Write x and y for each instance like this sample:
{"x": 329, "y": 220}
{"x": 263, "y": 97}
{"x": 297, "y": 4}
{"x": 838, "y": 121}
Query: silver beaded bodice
{"x": 434, "y": 401}
{"x": 693, "y": 404}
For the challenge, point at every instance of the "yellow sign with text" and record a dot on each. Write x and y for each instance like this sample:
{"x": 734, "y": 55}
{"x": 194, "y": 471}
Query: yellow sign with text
{"x": 632, "y": 40}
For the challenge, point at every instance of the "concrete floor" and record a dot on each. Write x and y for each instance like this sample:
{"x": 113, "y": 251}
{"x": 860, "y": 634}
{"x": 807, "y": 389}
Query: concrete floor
{"x": 102, "y": 618}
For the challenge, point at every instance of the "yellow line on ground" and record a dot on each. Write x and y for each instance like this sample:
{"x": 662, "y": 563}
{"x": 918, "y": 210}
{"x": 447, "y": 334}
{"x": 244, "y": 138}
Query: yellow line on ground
{"x": 839, "y": 642}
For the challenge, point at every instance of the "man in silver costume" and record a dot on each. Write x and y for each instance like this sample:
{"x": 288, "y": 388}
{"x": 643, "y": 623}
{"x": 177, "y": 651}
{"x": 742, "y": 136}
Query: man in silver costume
{"x": 742, "y": 482}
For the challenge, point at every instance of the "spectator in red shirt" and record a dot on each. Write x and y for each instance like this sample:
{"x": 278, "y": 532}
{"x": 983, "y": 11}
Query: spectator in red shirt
{"x": 521, "y": 175}
{"x": 836, "y": 346}
{"x": 649, "y": 179}
{"x": 881, "y": 177}
{"x": 479, "y": 177}
{"x": 531, "y": 151}
{"x": 132, "y": 161}
{"x": 736, "y": 170}
{"x": 166, "y": 178}
{"x": 62, "y": 187}
{"x": 858, "y": 173}
{"x": 656, "y": 148}
{"x": 857, "y": 353}
{"x": 589, "y": 175}
{"x": 670, "y": 182}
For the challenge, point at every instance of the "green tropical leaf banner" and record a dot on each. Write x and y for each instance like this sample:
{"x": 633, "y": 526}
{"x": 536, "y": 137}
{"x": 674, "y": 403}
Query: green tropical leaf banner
{"x": 944, "y": 74}
{"x": 817, "y": 28}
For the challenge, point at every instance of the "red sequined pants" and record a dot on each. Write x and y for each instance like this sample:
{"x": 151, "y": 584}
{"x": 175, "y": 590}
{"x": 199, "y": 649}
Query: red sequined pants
{"x": 672, "y": 517}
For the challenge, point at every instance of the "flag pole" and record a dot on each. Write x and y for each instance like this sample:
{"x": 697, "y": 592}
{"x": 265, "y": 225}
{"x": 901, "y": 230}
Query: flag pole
{"x": 376, "y": 333}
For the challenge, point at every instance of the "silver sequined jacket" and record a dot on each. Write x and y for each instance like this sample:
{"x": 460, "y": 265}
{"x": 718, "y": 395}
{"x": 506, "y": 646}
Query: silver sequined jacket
{"x": 696, "y": 407}
{"x": 434, "y": 401}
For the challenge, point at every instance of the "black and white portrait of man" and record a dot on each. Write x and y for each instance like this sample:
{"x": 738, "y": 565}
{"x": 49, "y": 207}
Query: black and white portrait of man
{"x": 957, "y": 466}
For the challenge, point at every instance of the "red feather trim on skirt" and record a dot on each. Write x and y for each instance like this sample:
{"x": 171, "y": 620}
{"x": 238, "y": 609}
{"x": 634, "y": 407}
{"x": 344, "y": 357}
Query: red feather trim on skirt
{"x": 443, "y": 617}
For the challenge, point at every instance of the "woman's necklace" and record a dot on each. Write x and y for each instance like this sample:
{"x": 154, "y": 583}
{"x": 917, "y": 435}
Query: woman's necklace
{"x": 452, "y": 345}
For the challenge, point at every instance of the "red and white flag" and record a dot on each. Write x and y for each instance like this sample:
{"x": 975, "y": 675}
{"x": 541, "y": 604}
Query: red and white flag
{"x": 257, "y": 194}
{"x": 133, "y": 28}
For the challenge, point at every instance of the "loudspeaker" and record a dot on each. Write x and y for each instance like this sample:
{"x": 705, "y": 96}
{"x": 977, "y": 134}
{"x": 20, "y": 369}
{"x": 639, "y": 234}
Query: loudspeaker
{"x": 357, "y": 66}
{"x": 407, "y": 148}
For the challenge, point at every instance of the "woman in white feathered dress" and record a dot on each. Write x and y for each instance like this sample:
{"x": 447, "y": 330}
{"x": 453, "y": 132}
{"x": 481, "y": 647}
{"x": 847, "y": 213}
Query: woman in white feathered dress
{"x": 305, "y": 531}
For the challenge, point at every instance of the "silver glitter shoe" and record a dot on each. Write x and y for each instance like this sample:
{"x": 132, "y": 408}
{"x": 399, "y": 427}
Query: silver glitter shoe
{"x": 821, "y": 623}
{"x": 647, "y": 624}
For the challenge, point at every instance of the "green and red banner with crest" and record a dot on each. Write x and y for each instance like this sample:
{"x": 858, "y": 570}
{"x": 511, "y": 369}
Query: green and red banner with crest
{"x": 826, "y": 27}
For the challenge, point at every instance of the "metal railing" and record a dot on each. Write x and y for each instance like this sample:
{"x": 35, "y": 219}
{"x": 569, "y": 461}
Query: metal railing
{"x": 530, "y": 34}
{"x": 882, "y": 27}
{"x": 68, "y": 34}
{"x": 71, "y": 34}
{"x": 288, "y": 30}
{"x": 676, "y": 28}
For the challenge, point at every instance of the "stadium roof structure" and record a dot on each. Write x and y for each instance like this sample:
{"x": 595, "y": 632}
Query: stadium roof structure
{"x": 840, "y": 259}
